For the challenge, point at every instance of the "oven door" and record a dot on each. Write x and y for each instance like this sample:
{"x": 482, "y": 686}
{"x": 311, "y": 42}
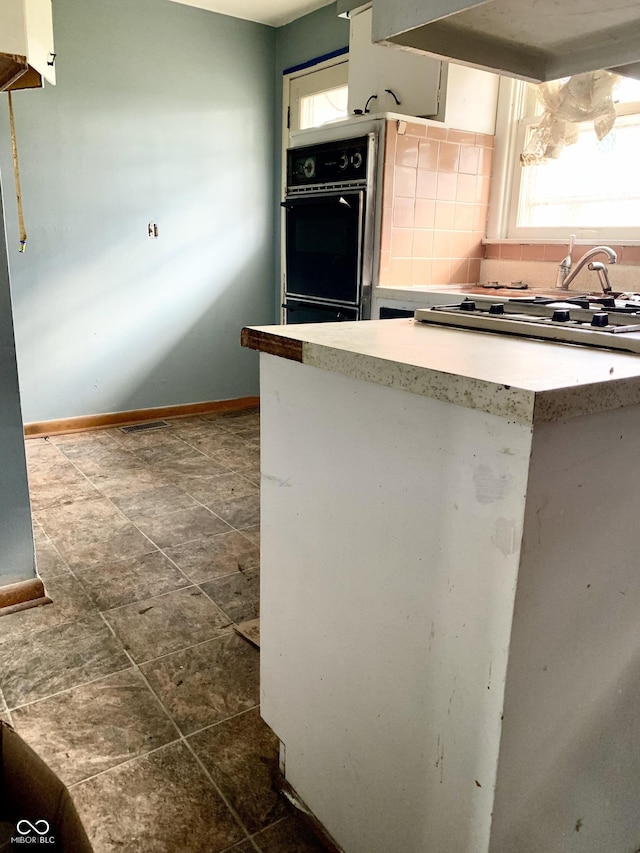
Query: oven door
{"x": 323, "y": 235}
{"x": 296, "y": 311}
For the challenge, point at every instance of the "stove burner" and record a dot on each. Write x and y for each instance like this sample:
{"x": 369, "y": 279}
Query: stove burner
{"x": 581, "y": 320}
{"x": 586, "y": 301}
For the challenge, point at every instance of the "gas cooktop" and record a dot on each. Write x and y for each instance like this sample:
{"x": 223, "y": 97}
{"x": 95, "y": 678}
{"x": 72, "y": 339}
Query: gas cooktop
{"x": 608, "y": 322}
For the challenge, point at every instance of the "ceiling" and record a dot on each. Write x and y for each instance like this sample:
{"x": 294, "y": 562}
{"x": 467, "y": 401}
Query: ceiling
{"x": 272, "y": 12}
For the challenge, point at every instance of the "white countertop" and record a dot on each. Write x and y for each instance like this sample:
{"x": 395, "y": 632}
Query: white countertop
{"x": 517, "y": 378}
{"x": 421, "y": 293}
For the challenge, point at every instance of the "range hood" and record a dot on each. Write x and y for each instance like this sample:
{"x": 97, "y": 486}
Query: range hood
{"x": 535, "y": 40}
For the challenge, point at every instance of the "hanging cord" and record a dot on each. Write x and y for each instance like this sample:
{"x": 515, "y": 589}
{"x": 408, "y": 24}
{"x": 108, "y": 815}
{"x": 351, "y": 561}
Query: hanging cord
{"x": 16, "y": 172}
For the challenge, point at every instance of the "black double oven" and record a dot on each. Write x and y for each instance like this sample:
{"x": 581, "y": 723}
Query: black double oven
{"x": 329, "y": 231}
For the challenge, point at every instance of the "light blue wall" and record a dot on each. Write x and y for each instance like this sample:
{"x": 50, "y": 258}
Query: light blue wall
{"x": 16, "y": 539}
{"x": 162, "y": 112}
{"x": 308, "y": 37}
{"x": 314, "y": 35}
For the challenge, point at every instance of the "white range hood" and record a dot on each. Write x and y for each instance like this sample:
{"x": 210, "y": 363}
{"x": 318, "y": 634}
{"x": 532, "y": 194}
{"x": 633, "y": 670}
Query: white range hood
{"x": 535, "y": 40}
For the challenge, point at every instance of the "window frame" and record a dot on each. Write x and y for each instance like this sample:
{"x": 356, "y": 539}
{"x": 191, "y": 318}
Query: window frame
{"x": 312, "y": 81}
{"x": 515, "y": 114}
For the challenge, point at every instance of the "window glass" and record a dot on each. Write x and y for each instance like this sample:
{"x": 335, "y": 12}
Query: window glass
{"x": 592, "y": 183}
{"x": 316, "y": 95}
{"x": 321, "y": 107}
{"x": 593, "y": 186}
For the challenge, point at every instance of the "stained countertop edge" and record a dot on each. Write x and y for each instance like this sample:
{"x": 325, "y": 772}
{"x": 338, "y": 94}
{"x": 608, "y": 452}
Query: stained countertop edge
{"x": 516, "y": 404}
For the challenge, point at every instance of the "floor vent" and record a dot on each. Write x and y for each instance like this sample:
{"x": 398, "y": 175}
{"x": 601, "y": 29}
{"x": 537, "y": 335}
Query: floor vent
{"x": 147, "y": 426}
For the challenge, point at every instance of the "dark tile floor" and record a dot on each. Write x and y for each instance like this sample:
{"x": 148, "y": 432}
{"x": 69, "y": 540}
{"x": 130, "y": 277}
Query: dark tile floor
{"x": 133, "y": 684}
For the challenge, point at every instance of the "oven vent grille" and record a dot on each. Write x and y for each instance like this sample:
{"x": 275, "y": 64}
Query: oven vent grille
{"x": 144, "y": 427}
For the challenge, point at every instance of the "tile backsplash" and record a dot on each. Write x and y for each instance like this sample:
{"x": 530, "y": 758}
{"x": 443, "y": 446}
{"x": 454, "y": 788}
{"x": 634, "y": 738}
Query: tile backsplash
{"x": 435, "y": 203}
{"x": 537, "y": 265}
{"x": 510, "y": 251}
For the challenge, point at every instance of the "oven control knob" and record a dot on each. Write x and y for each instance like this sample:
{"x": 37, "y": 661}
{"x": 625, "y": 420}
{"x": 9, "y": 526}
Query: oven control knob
{"x": 497, "y": 308}
{"x": 599, "y": 321}
{"x": 467, "y": 305}
{"x": 343, "y": 162}
{"x": 356, "y": 160}
{"x": 560, "y": 315}
{"x": 309, "y": 167}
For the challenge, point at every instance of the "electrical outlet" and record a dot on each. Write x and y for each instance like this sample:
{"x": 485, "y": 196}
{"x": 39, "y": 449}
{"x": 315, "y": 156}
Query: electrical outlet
{"x": 153, "y": 230}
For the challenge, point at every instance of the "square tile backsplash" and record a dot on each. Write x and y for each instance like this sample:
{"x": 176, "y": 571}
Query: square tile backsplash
{"x": 435, "y": 203}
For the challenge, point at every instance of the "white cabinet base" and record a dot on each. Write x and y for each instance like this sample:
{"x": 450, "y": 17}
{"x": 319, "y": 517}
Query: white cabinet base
{"x": 427, "y": 569}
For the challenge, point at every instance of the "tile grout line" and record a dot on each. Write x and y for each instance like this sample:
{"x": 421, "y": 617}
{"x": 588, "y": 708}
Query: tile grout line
{"x": 222, "y": 722}
{"x": 183, "y": 739}
{"x": 185, "y": 649}
{"x": 229, "y": 806}
{"x": 167, "y": 712}
{"x": 69, "y": 689}
{"x": 128, "y": 518}
{"x": 189, "y": 583}
{"x": 196, "y": 501}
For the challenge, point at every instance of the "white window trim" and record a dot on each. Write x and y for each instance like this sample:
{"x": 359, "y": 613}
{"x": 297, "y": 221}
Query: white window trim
{"x": 503, "y": 203}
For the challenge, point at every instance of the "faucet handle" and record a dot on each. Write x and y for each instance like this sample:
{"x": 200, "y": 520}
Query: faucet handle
{"x": 565, "y": 265}
{"x": 567, "y": 261}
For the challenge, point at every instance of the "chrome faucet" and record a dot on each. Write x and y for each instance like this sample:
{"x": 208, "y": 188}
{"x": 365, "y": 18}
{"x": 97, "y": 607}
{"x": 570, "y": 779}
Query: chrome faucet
{"x": 567, "y": 273}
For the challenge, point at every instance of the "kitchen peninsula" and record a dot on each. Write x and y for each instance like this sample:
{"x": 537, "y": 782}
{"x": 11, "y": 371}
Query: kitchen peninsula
{"x": 450, "y": 586}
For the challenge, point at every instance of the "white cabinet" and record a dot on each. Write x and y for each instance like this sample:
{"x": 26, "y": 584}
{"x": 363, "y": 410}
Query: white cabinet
{"x": 373, "y": 69}
{"x": 470, "y": 98}
{"x": 449, "y": 636}
{"x": 26, "y": 43}
{"x": 40, "y": 49}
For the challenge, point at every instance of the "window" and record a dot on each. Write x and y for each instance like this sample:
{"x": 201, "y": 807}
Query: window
{"x": 316, "y": 95}
{"x": 592, "y": 189}
{"x": 322, "y": 107}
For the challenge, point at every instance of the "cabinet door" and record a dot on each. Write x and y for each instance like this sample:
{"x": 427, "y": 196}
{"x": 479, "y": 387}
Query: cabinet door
{"x": 40, "y": 38}
{"x": 414, "y": 79}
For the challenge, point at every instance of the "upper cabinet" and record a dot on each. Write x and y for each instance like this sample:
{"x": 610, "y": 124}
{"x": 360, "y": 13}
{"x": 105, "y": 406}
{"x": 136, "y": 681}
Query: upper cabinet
{"x": 26, "y": 44}
{"x": 379, "y": 78}
{"x": 541, "y": 40}
{"x": 464, "y": 98}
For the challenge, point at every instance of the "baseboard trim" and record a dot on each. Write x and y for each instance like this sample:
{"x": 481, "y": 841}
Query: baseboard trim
{"x": 22, "y": 595}
{"x": 37, "y": 429}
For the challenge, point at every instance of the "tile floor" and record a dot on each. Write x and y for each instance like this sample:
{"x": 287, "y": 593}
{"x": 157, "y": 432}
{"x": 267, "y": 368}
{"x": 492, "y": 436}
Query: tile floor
{"x": 133, "y": 684}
